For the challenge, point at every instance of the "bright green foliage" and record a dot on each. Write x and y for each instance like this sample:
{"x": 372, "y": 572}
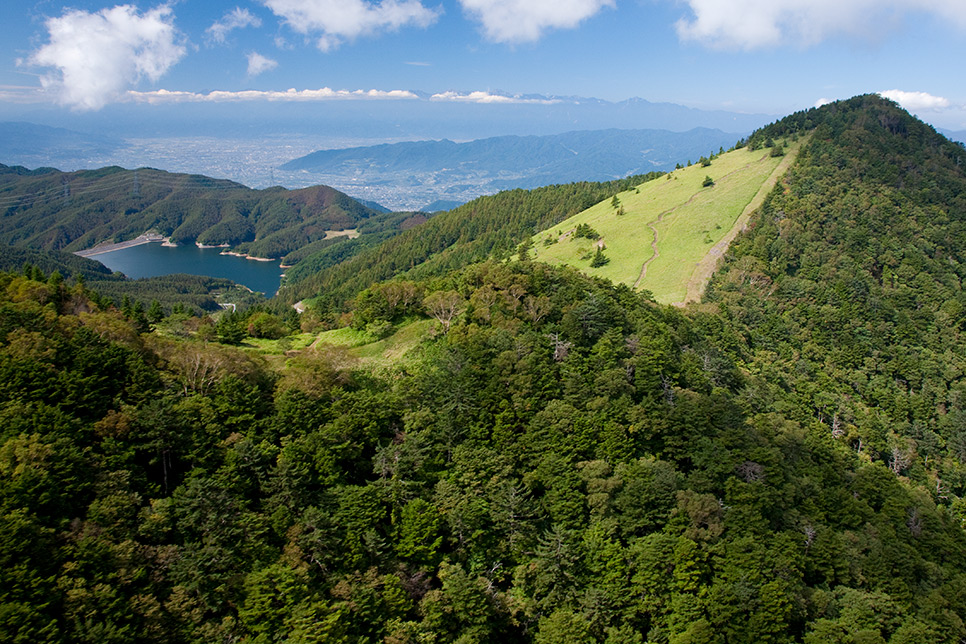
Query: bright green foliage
{"x": 418, "y": 538}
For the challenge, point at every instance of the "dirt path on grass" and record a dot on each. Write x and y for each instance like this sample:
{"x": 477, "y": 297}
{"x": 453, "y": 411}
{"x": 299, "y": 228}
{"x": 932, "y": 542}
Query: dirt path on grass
{"x": 661, "y": 216}
{"x": 656, "y": 252}
{"x": 709, "y": 263}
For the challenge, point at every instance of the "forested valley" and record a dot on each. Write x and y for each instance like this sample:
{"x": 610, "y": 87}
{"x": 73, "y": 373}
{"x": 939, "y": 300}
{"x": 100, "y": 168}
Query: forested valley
{"x": 556, "y": 460}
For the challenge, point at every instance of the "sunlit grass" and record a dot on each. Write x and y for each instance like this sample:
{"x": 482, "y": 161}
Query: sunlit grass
{"x": 281, "y": 345}
{"x": 374, "y": 352}
{"x": 688, "y": 217}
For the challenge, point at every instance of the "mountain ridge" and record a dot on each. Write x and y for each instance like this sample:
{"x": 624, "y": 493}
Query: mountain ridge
{"x": 55, "y": 210}
{"x": 483, "y": 166}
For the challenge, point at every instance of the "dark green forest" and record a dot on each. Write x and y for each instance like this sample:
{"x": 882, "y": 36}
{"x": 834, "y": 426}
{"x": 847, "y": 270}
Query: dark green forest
{"x": 558, "y": 460}
{"x": 51, "y": 210}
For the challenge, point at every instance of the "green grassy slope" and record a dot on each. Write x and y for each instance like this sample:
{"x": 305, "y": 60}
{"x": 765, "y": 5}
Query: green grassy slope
{"x": 378, "y": 353}
{"x": 667, "y": 226}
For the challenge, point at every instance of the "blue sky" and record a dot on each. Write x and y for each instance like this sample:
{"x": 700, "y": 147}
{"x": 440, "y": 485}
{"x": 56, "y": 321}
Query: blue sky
{"x": 770, "y": 56}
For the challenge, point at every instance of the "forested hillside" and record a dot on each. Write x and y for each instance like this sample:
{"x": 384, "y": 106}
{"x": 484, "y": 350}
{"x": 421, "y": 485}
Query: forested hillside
{"x": 52, "y": 210}
{"x": 558, "y": 460}
{"x": 486, "y": 227}
{"x": 846, "y": 296}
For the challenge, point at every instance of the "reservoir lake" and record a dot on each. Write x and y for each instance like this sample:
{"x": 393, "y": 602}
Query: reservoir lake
{"x": 151, "y": 260}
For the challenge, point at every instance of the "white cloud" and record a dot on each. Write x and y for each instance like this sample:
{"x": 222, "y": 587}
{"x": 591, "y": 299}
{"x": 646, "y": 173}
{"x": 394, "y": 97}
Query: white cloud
{"x": 258, "y": 64}
{"x": 823, "y": 101}
{"x": 916, "y": 101}
{"x": 754, "y": 24}
{"x": 337, "y": 20}
{"x": 237, "y": 18}
{"x": 97, "y": 56}
{"x": 486, "y": 97}
{"x": 20, "y": 94}
{"x": 304, "y": 95}
{"x": 328, "y": 94}
{"x": 515, "y": 21}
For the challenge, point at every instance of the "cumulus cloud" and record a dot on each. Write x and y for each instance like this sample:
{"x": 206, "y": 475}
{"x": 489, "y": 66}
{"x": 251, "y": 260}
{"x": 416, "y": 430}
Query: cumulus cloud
{"x": 916, "y": 101}
{"x": 823, "y": 101}
{"x": 304, "y": 95}
{"x": 97, "y": 56}
{"x": 516, "y": 21}
{"x": 258, "y": 64}
{"x": 237, "y": 18}
{"x": 753, "y": 24}
{"x": 487, "y": 97}
{"x": 338, "y": 20}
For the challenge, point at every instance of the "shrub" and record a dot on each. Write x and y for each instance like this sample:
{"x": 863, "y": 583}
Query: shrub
{"x": 584, "y": 230}
{"x": 599, "y": 258}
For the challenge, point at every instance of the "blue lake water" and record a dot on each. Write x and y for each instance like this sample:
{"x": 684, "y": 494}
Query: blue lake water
{"x": 150, "y": 260}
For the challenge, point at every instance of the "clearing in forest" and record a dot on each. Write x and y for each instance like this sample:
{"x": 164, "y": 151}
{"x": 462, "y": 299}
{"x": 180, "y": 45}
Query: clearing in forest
{"x": 374, "y": 352}
{"x": 665, "y": 234}
{"x": 353, "y": 348}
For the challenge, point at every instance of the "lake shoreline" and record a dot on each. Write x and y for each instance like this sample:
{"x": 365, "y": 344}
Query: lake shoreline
{"x": 251, "y": 257}
{"x": 152, "y": 260}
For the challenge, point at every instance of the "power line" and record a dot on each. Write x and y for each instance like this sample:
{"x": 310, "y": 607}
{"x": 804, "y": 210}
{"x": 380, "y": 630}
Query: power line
{"x": 77, "y": 187}
{"x": 77, "y": 190}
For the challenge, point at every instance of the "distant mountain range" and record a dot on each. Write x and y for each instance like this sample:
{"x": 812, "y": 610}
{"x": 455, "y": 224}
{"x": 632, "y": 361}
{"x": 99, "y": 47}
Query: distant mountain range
{"x": 247, "y": 141}
{"x": 952, "y": 135}
{"x": 452, "y": 115}
{"x": 462, "y": 171}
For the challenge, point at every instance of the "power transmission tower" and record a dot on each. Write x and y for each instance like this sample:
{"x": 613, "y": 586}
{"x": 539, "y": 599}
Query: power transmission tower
{"x": 137, "y": 186}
